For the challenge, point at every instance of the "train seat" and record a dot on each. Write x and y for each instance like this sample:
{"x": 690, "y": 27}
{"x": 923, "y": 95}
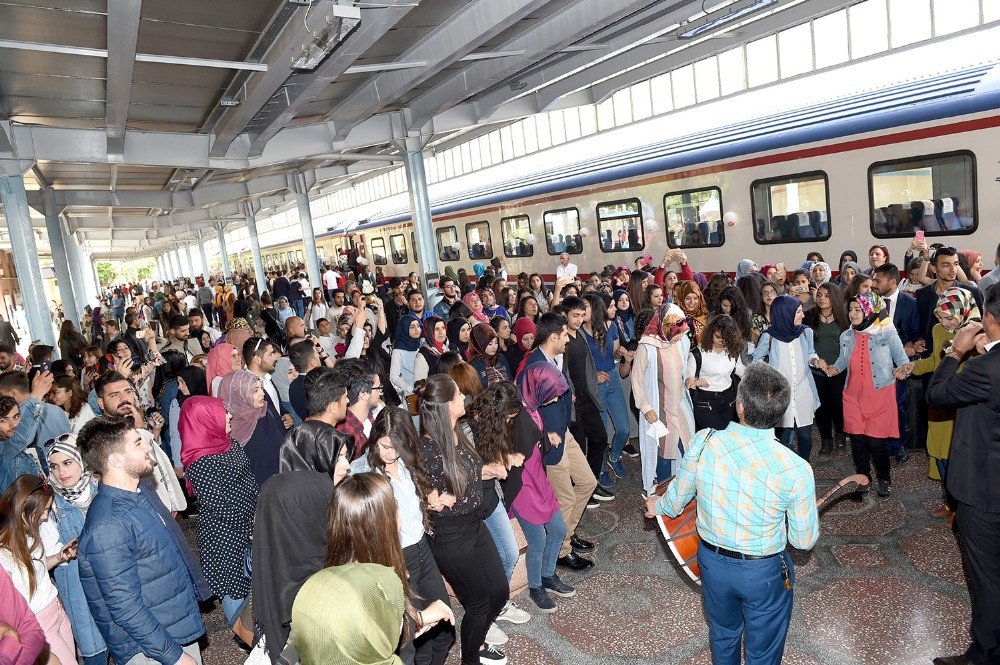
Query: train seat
{"x": 949, "y": 214}
{"x": 880, "y": 221}
{"x": 786, "y": 226}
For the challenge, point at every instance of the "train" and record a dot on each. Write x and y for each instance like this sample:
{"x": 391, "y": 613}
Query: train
{"x": 871, "y": 168}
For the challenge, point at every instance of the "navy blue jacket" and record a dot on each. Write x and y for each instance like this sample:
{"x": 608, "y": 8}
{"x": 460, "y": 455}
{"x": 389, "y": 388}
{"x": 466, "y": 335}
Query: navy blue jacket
{"x": 556, "y": 417}
{"x": 906, "y": 318}
{"x": 140, "y": 590}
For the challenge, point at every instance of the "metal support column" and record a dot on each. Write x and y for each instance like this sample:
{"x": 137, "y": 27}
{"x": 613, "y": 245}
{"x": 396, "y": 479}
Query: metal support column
{"x": 220, "y": 230}
{"x": 87, "y": 276}
{"x": 59, "y": 263}
{"x": 308, "y": 233}
{"x": 161, "y": 272}
{"x": 204, "y": 257}
{"x": 83, "y": 296}
{"x": 258, "y": 262}
{"x": 420, "y": 212}
{"x": 90, "y": 265}
{"x": 192, "y": 271}
{"x": 29, "y": 273}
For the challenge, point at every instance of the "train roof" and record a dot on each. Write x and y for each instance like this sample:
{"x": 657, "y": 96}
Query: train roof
{"x": 967, "y": 91}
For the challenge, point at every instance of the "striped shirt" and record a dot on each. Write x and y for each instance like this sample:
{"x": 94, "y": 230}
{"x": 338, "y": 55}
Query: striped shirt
{"x": 747, "y": 485}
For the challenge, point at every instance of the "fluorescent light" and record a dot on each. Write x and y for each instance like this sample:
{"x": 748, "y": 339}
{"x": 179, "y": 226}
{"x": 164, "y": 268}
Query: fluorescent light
{"x": 723, "y": 20}
{"x": 140, "y": 57}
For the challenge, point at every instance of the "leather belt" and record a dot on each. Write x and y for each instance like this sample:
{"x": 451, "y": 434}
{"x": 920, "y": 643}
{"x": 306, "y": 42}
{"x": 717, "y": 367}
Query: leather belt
{"x": 737, "y": 555}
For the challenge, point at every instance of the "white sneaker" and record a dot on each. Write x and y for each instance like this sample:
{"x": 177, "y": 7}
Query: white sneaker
{"x": 495, "y": 636}
{"x": 513, "y": 614}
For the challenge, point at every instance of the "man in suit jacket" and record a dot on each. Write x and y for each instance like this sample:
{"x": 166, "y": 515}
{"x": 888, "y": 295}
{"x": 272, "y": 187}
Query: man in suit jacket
{"x": 973, "y": 476}
{"x": 906, "y": 318}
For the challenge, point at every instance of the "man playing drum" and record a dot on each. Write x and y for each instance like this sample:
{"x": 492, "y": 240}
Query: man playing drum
{"x": 747, "y": 485}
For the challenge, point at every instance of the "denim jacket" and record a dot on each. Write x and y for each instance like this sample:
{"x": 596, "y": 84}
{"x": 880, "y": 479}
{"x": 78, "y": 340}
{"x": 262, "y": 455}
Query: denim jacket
{"x": 15, "y": 460}
{"x": 884, "y": 349}
{"x": 69, "y": 520}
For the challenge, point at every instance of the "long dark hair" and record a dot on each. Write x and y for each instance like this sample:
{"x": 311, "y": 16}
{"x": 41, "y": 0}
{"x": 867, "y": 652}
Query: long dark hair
{"x": 598, "y": 319}
{"x": 635, "y": 290}
{"x": 838, "y": 304}
{"x": 396, "y": 425}
{"x": 732, "y": 339}
{"x": 435, "y": 393}
{"x": 77, "y": 397}
{"x": 750, "y": 288}
{"x": 489, "y": 418}
{"x": 21, "y": 509}
{"x": 737, "y": 309}
{"x": 713, "y": 290}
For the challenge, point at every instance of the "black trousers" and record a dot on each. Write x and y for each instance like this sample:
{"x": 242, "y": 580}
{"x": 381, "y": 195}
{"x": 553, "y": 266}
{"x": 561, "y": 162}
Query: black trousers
{"x": 589, "y": 432}
{"x": 980, "y": 533}
{"x": 830, "y": 415}
{"x": 427, "y": 585}
{"x": 713, "y": 409}
{"x": 209, "y": 313}
{"x": 468, "y": 558}
{"x": 868, "y": 450}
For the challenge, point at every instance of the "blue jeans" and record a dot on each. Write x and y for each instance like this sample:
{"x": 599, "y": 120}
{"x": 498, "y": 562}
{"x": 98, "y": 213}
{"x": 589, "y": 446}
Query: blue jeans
{"x": 286, "y": 407}
{"x": 664, "y": 468}
{"x": 746, "y": 598}
{"x": 804, "y": 436}
{"x": 97, "y": 659}
{"x": 544, "y": 541}
{"x": 300, "y": 307}
{"x": 499, "y": 527}
{"x": 615, "y": 410}
{"x": 232, "y": 607}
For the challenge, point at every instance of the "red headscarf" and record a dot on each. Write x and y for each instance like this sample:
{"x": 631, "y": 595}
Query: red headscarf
{"x": 522, "y": 327}
{"x": 220, "y": 362}
{"x": 479, "y": 339}
{"x": 432, "y": 344}
{"x": 202, "y": 427}
{"x": 479, "y": 316}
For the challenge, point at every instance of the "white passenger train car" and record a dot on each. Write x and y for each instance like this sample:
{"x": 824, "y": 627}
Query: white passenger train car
{"x": 847, "y": 174}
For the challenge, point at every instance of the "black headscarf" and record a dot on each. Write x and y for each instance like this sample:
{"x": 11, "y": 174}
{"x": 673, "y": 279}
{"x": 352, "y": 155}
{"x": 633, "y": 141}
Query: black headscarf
{"x": 454, "y": 326}
{"x": 195, "y": 380}
{"x": 289, "y": 546}
{"x": 313, "y": 445}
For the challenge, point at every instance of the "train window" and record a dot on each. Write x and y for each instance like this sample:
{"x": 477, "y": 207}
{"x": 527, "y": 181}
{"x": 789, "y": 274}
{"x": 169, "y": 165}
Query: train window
{"x": 377, "y": 246}
{"x": 515, "y": 231}
{"x": 321, "y": 254}
{"x": 299, "y": 257}
{"x": 694, "y": 218}
{"x": 291, "y": 259}
{"x": 477, "y": 234}
{"x": 934, "y": 194}
{"x": 448, "y": 247}
{"x": 397, "y": 247}
{"x": 413, "y": 244}
{"x": 794, "y": 208}
{"x": 619, "y": 224}
{"x": 562, "y": 231}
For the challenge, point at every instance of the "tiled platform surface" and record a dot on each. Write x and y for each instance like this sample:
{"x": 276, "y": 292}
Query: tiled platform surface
{"x": 884, "y": 586}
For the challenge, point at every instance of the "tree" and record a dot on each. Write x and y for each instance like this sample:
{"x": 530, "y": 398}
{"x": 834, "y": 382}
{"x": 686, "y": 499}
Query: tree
{"x": 106, "y": 273}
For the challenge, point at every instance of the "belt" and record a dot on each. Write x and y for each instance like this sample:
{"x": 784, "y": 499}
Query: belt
{"x": 737, "y": 555}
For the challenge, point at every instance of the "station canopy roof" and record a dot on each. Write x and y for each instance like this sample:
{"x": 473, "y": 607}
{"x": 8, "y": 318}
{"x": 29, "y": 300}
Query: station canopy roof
{"x": 142, "y": 122}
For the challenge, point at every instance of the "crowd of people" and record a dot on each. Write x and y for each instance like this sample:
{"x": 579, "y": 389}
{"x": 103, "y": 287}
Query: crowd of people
{"x": 348, "y": 448}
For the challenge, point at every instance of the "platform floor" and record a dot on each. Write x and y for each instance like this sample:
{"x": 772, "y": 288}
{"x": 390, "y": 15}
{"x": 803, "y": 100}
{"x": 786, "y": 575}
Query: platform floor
{"x": 883, "y": 585}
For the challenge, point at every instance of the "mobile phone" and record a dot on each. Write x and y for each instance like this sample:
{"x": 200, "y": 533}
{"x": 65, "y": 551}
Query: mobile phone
{"x": 919, "y": 237}
{"x": 45, "y": 366}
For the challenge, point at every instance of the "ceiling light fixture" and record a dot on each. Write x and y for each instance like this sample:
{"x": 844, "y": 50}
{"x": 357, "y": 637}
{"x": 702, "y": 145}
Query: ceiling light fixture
{"x": 723, "y": 20}
{"x": 340, "y": 21}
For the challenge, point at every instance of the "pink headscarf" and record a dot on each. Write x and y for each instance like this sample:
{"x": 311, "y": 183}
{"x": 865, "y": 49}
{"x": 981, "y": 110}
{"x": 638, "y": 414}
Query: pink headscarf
{"x": 220, "y": 362}
{"x": 477, "y": 315}
{"x": 202, "y": 427}
{"x": 541, "y": 383}
{"x": 236, "y": 391}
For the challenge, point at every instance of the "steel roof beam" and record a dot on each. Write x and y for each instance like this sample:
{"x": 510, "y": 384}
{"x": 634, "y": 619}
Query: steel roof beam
{"x": 307, "y": 86}
{"x": 123, "y": 33}
{"x": 621, "y": 71}
{"x": 547, "y": 37}
{"x": 477, "y": 22}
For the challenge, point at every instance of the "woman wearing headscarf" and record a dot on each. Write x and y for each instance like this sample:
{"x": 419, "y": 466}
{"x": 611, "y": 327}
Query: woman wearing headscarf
{"x": 692, "y": 302}
{"x": 624, "y": 315}
{"x": 256, "y": 424}
{"x": 405, "y": 346}
{"x": 873, "y": 355}
{"x": 848, "y": 256}
{"x": 787, "y": 345}
{"x": 220, "y": 474}
{"x": 524, "y": 332}
{"x": 479, "y": 269}
{"x": 74, "y": 488}
{"x": 284, "y": 310}
{"x": 316, "y": 446}
{"x": 484, "y": 356}
{"x": 459, "y": 332}
{"x": 955, "y": 309}
{"x": 433, "y": 343}
{"x": 289, "y": 546}
{"x": 190, "y": 383}
{"x": 820, "y": 273}
{"x": 658, "y": 376}
{"x": 475, "y": 304}
{"x": 222, "y": 360}
{"x": 971, "y": 263}
{"x": 745, "y": 267}
{"x": 238, "y": 331}
{"x": 491, "y": 307}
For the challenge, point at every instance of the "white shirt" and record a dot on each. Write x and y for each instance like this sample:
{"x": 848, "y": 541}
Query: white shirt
{"x": 990, "y": 346}
{"x": 45, "y": 589}
{"x": 327, "y": 342}
{"x": 717, "y": 369}
{"x": 330, "y": 278}
{"x": 568, "y": 270}
{"x": 272, "y": 392}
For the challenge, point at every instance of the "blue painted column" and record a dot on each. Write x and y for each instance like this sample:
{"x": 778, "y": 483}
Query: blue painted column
{"x": 204, "y": 256}
{"x": 308, "y": 233}
{"x": 59, "y": 262}
{"x": 192, "y": 271}
{"x": 83, "y": 297}
{"x": 25, "y": 251}
{"x": 220, "y": 230}
{"x": 258, "y": 262}
{"x": 420, "y": 212}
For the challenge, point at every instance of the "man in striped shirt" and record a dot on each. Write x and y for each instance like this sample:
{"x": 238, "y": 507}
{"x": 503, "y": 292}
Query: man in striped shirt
{"x": 748, "y": 486}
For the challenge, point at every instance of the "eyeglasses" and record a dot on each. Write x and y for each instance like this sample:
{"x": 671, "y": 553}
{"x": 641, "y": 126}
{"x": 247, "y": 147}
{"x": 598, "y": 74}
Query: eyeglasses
{"x": 381, "y": 389}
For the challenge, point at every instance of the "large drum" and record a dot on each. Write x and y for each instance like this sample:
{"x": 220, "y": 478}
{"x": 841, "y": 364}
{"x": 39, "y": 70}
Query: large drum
{"x": 681, "y": 532}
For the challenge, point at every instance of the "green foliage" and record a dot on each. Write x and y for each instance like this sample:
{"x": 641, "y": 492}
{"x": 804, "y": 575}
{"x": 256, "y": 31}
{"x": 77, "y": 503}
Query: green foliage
{"x": 125, "y": 271}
